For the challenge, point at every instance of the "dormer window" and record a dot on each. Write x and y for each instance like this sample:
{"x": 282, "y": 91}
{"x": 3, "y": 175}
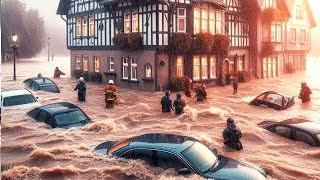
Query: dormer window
{"x": 299, "y": 12}
{"x": 131, "y": 22}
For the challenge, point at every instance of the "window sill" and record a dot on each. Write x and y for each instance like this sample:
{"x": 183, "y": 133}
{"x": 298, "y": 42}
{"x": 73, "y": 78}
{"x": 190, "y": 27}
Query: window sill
{"x": 131, "y": 81}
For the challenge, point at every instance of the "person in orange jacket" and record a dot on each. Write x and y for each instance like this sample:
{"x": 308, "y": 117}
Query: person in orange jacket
{"x": 110, "y": 94}
{"x": 58, "y": 73}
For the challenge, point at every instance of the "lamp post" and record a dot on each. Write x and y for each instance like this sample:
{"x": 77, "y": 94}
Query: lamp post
{"x": 48, "y": 49}
{"x": 14, "y": 39}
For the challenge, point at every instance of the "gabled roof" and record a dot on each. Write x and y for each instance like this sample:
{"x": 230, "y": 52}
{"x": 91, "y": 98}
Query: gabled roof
{"x": 291, "y": 5}
{"x": 64, "y": 6}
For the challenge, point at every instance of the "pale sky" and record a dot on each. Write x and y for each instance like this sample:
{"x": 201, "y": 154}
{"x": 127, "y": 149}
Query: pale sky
{"x": 57, "y": 29}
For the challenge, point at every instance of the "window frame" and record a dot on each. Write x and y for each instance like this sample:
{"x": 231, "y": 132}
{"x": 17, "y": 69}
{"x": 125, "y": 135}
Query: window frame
{"x": 78, "y": 60}
{"x": 91, "y": 24}
{"x": 125, "y": 64}
{"x": 213, "y": 75}
{"x": 97, "y": 65}
{"x": 111, "y": 62}
{"x": 197, "y": 78}
{"x": 180, "y": 70}
{"x": 146, "y": 72}
{"x": 79, "y": 27}
{"x": 182, "y": 17}
{"x": 84, "y": 28}
{"x": 204, "y": 68}
{"x": 127, "y": 21}
{"x": 133, "y": 19}
{"x": 85, "y": 62}
{"x": 293, "y": 34}
{"x": 133, "y": 64}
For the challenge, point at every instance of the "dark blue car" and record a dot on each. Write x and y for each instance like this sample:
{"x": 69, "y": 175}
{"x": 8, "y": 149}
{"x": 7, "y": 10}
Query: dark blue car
{"x": 185, "y": 154}
{"x": 60, "y": 115}
{"x": 42, "y": 84}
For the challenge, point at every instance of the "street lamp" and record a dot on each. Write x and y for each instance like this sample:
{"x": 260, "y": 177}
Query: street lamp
{"x": 14, "y": 46}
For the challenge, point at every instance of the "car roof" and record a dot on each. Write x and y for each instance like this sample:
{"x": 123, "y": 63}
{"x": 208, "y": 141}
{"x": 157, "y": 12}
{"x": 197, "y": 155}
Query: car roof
{"x": 311, "y": 127}
{"x": 156, "y": 140}
{"x": 41, "y": 80}
{"x": 59, "y": 108}
{"x": 14, "y": 92}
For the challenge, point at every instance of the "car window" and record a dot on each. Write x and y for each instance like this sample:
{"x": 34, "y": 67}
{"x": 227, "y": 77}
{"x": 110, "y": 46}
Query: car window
{"x": 200, "y": 156}
{"x": 49, "y": 88}
{"x": 167, "y": 160}
{"x": 283, "y": 131}
{"x": 272, "y": 98}
{"x": 304, "y": 137}
{"x": 68, "y": 118}
{"x": 143, "y": 154}
{"x": 34, "y": 113}
{"x": 18, "y": 100}
{"x": 44, "y": 117}
{"x": 34, "y": 86}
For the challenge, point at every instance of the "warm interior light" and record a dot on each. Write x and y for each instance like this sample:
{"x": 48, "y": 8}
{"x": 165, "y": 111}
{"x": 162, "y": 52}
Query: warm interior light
{"x": 14, "y": 37}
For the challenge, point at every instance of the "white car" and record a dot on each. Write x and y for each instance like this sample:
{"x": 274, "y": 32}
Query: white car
{"x": 17, "y": 98}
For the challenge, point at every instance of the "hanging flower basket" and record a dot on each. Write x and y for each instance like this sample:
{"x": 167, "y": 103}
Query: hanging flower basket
{"x": 128, "y": 41}
{"x": 220, "y": 45}
{"x": 95, "y": 77}
{"x": 203, "y": 43}
{"x": 180, "y": 43}
{"x": 268, "y": 49}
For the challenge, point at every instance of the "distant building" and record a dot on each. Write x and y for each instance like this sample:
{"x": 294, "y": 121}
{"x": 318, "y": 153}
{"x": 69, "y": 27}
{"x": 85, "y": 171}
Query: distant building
{"x": 92, "y": 24}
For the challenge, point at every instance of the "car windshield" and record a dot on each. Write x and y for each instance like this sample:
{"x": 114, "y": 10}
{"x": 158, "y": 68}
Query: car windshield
{"x": 72, "y": 117}
{"x": 272, "y": 98}
{"x": 200, "y": 156}
{"x": 18, "y": 100}
{"x": 49, "y": 88}
{"x": 42, "y": 81}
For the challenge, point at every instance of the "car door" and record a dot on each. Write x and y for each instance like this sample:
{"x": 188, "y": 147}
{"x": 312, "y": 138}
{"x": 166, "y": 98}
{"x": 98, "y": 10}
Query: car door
{"x": 141, "y": 154}
{"x": 283, "y": 131}
{"x": 304, "y": 137}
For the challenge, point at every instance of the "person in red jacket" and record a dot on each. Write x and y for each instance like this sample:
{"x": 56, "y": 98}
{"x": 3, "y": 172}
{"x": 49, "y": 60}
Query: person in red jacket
{"x": 58, "y": 73}
{"x": 305, "y": 92}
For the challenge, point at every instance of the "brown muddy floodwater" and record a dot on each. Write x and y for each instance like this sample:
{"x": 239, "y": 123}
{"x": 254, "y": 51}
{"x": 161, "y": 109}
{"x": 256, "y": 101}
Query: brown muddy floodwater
{"x": 32, "y": 150}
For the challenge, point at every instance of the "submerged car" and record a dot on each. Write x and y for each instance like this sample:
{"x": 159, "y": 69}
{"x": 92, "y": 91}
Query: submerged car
{"x": 185, "y": 154}
{"x": 273, "y": 100}
{"x": 60, "y": 115}
{"x": 17, "y": 98}
{"x": 42, "y": 83}
{"x": 298, "y": 130}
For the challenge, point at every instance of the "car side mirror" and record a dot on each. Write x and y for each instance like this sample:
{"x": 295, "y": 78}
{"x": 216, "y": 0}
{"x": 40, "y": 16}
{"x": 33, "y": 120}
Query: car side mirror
{"x": 184, "y": 171}
{"x": 214, "y": 150}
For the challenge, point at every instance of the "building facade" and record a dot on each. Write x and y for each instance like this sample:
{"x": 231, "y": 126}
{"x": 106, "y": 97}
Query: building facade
{"x": 91, "y": 26}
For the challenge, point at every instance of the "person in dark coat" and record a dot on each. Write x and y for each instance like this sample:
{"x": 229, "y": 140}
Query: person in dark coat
{"x": 81, "y": 87}
{"x": 179, "y": 104}
{"x": 166, "y": 102}
{"x": 201, "y": 92}
{"x": 305, "y": 92}
{"x": 232, "y": 135}
{"x": 235, "y": 86}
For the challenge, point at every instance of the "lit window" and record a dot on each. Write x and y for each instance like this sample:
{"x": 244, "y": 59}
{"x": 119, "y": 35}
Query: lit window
{"x": 148, "y": 71}
{"x": 179, "y": 67}
{"x": 218, "y": 23}
{"x": 273, "y": 33}
{"x": 78, "y": 62}
{"x": 270, "y": 4}
{"x": 240, "y": 65}
{"x": 111, "y": 64}
{"x": 279, "y": 33}
{"x": 133, "y": 69}
{"x": 97, "y": 64}
{"x": 79, "y": 27}
{"x": 125, "y": 68}
{"x": 181, "y": 20}
{"x": 204, "y": 21}
{"x": 135, "y": 22}
{"x": 303, "y": 36}
{"x": 293, "y": 35}
{"x": 91, "y": 24}
{"x": 213, "y": 73}
{"x": 212, "y": 24}
{"x": 196, "y": 21}
{"x": 127, "y": 25}
{"x": 85, "y": 63}
{"x": 196, "y": 68}
{"x": 204, "y": 67}
{"x": 84, "y": 27}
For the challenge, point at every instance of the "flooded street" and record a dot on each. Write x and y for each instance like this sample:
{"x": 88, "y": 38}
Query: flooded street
{"x": 33, "y": 150}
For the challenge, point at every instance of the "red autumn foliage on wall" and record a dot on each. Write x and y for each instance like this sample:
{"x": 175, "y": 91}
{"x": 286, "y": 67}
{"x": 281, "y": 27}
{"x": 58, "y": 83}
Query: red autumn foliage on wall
{"x": 268, "y": 49}
{"x": 180, "y": 43}
{"x": 128, "y": 41}
{"x": 203, "y": 43}
{"x": 221, "y": 45}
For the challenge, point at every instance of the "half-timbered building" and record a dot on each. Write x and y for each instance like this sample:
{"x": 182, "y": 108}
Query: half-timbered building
{"x": 91, "y": 26}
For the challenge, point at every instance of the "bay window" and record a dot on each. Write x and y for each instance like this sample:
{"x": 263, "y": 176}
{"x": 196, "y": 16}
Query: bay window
{"x": 78, "y": 29}
{"x": 84, "y": 27}
{"x": 196, "y": 21}
{"x": 134, "y": 69}
{"x": 125, "y": 68}
{"x": 213, "y": 73}
{"x": 85, "y": 66}
{"x": 207, "y": 21}
{"x": 131, "y": 22}
{"x": 212, "y": 24}
{"x": 180, "y": 67}
{"x": 91, "y": 26}
{"x": 204, "y": 21}
{"x": 218, "y": 23}
{"x": 204, "y": 67}
{"x": 78, "y": 62}
{"x": 196, "y": 68}
{"x": 181, "y": 20}
{"x": 97, "y": 64}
